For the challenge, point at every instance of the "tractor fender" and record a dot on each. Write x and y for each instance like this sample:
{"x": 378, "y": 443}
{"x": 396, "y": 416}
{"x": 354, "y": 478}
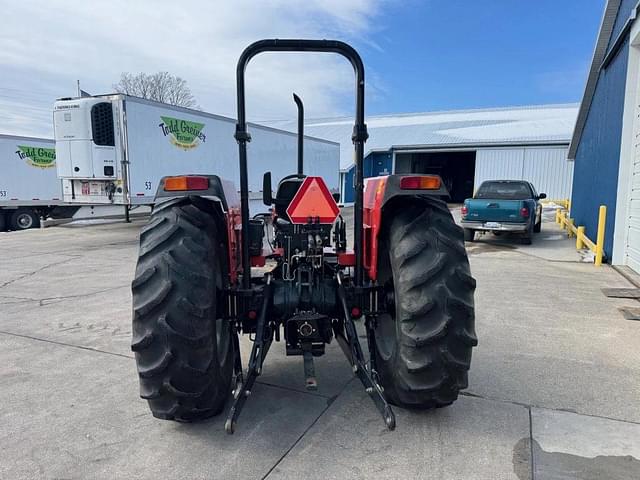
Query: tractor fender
{"x": 383, "y": 196}
{"x": 224, "y": 202}
{"x": 220, "y": 190}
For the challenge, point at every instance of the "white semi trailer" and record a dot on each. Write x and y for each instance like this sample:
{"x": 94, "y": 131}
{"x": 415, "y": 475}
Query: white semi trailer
{"x": 114, "y": 149}
{"x": 29, "y": 186}
{"x": 30, "y": 189}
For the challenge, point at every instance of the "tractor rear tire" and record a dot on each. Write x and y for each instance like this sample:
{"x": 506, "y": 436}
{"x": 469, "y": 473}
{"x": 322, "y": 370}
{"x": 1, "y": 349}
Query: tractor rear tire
{"x": 424, "y": 343}
{"x": 183, "y": 349}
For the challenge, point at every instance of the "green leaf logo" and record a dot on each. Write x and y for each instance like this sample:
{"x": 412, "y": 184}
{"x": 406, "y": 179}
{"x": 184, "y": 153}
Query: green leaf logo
{"x": 184, "y": 134}
{"x": 37, "y": 156}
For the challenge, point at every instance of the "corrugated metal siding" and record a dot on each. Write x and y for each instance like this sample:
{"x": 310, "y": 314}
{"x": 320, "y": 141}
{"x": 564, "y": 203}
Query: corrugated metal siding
{"x": 546, "y": 167}
{"x": 632, "y": 243}
{"x": 498, "y": 164}
{"x": 549, "y": 171}
{"x": 375, "y": 164}
{"x": 378, "y": 163}
{"x": 349, "y": 190}
{"x": 595, "y": 180}
{"x": 624, "y": 12}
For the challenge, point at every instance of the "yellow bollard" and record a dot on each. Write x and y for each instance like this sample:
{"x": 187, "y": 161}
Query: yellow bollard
{"x": 558, "y": 215}
{"x": 602, "y": 219}
{"x": 569, "y": 227}
{"x": 579, "y": 235}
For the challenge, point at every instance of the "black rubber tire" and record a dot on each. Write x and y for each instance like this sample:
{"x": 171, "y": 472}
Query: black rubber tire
{"x": 469, "y": 235}
{"x": 23, "y": 219}
{"x": 184, "y": 352}
{"x": 3, "y": 224}
{"x": 424, "y": 344}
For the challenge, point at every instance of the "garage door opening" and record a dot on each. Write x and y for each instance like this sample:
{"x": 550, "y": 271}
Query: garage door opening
{"x": 457, "y": 169}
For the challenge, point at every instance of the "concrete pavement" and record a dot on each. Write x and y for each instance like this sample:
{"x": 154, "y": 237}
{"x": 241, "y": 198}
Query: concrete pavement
{"x": 553, "y": 393}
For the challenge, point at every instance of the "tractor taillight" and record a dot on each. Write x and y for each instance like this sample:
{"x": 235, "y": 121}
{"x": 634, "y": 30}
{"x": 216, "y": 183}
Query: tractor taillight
{"x": 524, "y": 212}
{"x": 464, "y": 211}
{"x": 179, "y": 184}
{"x": 423, "y": 182}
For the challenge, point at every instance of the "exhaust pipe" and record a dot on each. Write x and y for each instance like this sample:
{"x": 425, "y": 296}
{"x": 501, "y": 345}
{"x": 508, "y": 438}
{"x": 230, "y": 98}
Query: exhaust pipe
{"x": 300, "y": 105}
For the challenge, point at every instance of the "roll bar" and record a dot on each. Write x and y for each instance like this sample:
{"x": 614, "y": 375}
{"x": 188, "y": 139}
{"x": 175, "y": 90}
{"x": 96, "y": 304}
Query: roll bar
{"x": 359, "y": 136}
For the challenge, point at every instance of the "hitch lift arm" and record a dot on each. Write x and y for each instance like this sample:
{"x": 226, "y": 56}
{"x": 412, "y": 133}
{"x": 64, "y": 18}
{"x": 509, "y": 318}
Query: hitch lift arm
{"x": 351, "y": 347}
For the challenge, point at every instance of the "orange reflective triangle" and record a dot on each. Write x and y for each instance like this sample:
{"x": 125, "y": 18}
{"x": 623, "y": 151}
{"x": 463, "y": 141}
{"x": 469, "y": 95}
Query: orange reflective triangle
{"x": 313, "y": 199}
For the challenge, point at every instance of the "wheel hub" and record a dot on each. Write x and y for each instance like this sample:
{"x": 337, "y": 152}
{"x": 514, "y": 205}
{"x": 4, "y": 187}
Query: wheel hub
{"x": 25, "y": 221}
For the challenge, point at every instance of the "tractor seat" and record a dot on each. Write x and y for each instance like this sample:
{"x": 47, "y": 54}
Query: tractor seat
{"x": 287, "y": 188}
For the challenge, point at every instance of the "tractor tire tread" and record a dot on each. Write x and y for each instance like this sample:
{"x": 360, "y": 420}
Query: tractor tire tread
{"x": 434, "y": 307}
{"x": 174, "y": 322}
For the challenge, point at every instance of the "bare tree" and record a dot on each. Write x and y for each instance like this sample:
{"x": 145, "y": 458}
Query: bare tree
{"x": 161, "y": 87}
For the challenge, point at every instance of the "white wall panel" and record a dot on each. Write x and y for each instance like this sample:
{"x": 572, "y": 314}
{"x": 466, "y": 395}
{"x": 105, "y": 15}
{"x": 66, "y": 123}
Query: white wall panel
{"x": 546, "y": 167}
{"x": 498, "y": 164}
{"x": 549, "y": 171}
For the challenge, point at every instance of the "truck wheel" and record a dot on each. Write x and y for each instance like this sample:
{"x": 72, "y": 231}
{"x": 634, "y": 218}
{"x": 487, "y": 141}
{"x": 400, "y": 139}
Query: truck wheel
{"x": 23, "y": 219}
{"x": 469, "y": 235}
{"x": 424, "y": 341}
{"x": 183, "y": 348}
{"x": 537, "y": 228}
{"x": 3, "y": 225}
{"x": 527, "y": 237}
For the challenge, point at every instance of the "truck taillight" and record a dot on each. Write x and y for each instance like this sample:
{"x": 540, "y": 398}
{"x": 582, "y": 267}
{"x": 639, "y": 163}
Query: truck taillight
{"x": 464, "y": 211}
{"x": 524, "y": 212}
{"x": 423, "y": 182}
{"x": 178, "y": 184}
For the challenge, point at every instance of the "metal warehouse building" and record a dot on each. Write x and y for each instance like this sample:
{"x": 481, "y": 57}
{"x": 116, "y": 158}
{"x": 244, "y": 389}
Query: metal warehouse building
{"x": 465, "y": 147}
{"x": 605, "y": 143}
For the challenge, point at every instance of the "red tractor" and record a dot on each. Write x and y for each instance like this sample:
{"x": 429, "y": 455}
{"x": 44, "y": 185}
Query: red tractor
{"x": 407, "y": 278}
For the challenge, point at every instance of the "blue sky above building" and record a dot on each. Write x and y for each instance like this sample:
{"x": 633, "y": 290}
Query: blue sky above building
{"x": 420, "y": 55}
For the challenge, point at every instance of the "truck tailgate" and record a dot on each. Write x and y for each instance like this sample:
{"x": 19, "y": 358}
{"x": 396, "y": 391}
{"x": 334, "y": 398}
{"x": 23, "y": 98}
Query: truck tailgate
{"x": 488, "y": 210}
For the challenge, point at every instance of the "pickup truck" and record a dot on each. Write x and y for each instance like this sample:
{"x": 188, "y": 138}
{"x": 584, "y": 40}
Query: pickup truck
{"x": 503, "y": 206}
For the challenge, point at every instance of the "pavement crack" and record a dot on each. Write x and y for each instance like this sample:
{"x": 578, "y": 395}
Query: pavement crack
{"x": 291, "y": 389}
{"x": 63, "y": 344}
{"x": 558, "y": 409}
{"x": 531, "y": 444}
{"x": 38, "y": 270}
{"x": 48, "y": 300}
{"x": 302, "y": 435}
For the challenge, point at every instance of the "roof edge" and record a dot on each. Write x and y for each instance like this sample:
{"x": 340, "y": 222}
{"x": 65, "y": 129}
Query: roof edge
{"x": 541, "y": 106}
{"x": 599, "y": 52}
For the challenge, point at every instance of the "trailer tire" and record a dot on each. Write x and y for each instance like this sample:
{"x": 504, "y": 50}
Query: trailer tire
{"x": 3, "y": 224}
{"x": 23, "y": 219}
{"x": 424, "y": 341}
{"x": 183, "y": 349}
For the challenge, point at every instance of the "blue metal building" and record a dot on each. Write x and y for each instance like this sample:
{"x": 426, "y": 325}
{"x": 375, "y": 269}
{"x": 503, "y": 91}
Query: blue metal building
{"x": 605, "y": 139}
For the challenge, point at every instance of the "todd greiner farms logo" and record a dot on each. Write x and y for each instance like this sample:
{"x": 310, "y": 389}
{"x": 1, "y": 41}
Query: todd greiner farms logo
{"x": 183, "y": 133}
{"x": 37, "y": 156}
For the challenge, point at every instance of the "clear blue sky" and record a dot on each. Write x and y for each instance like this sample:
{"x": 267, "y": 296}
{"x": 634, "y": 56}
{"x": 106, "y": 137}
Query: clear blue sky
{"x": 446, "y": 54}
